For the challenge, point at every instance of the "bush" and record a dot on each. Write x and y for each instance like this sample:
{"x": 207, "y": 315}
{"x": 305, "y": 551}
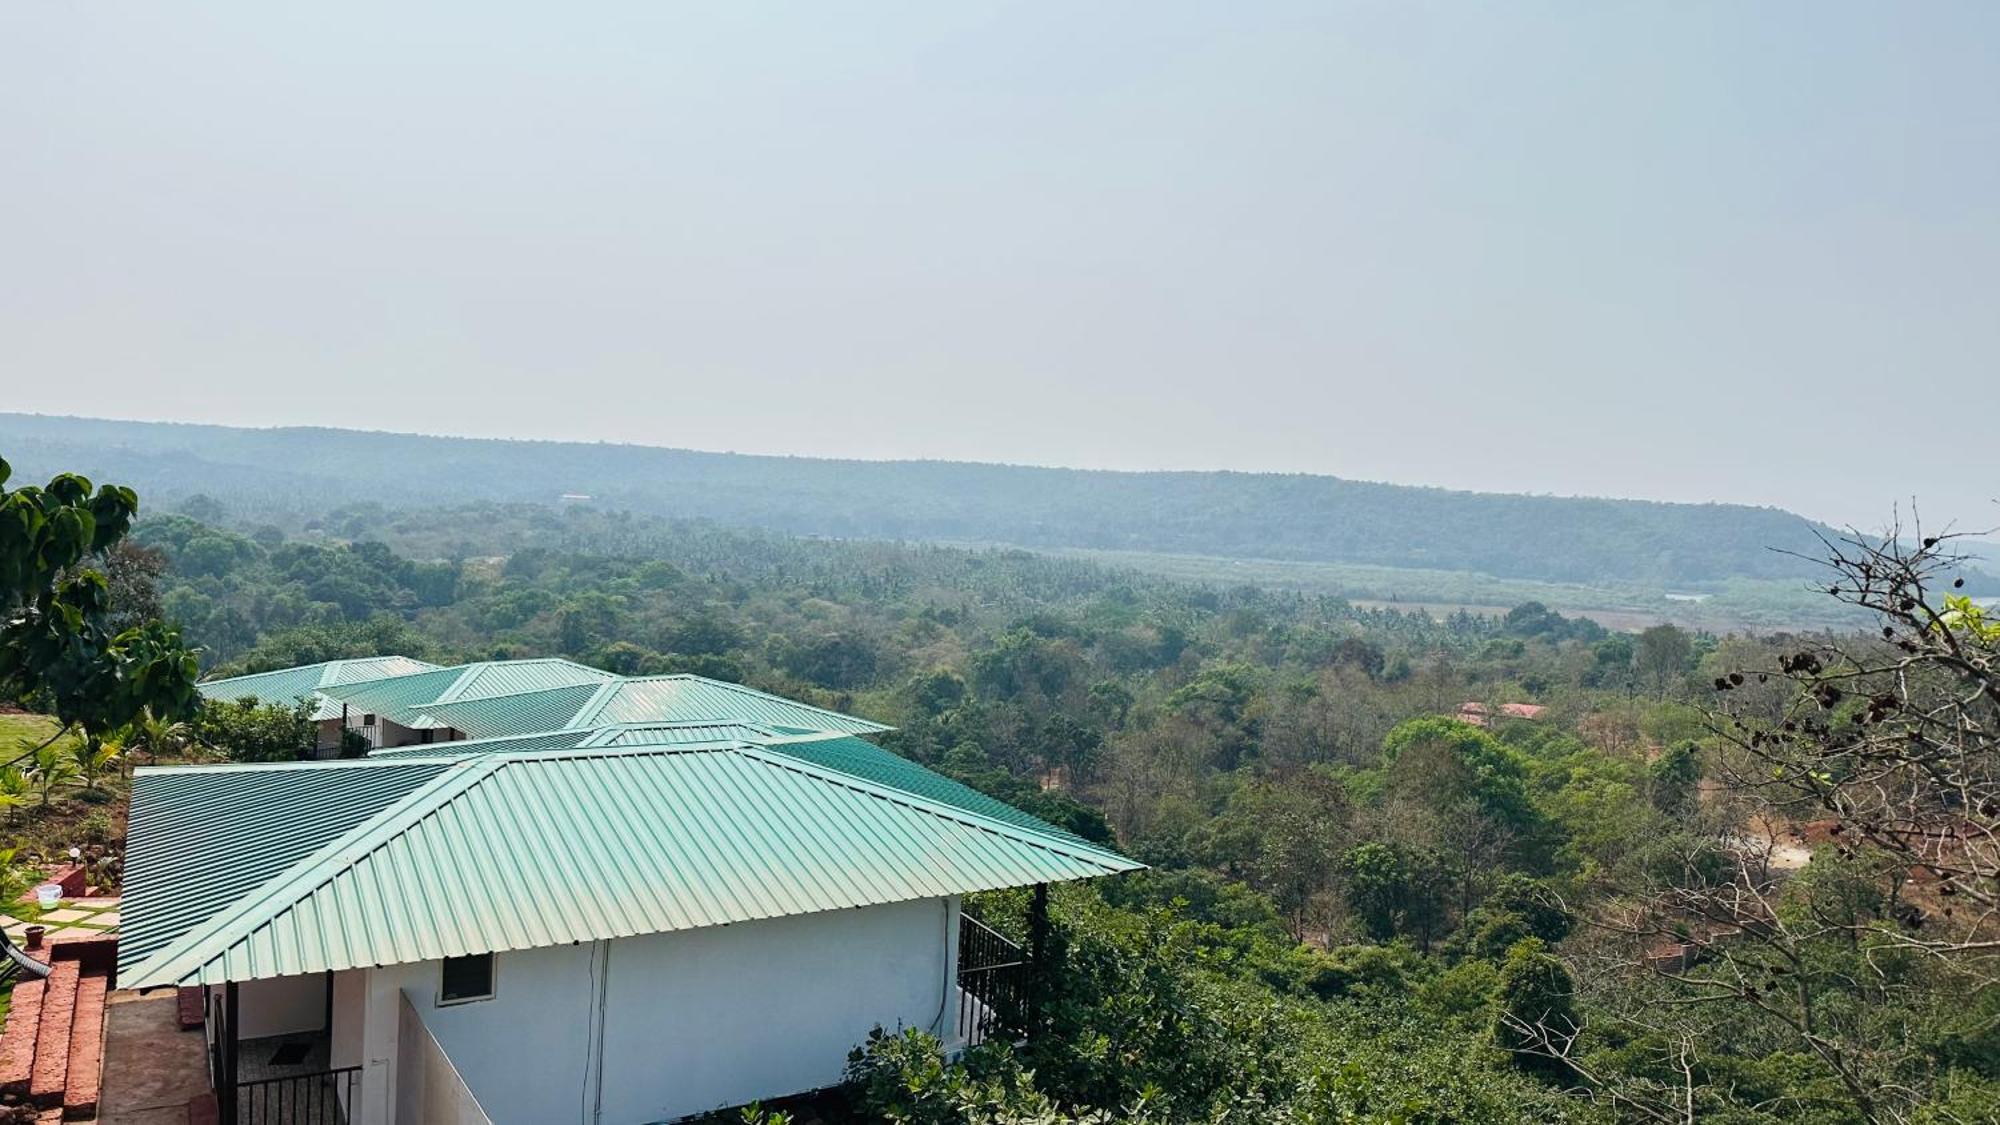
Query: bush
{"x": 248, "y": 731}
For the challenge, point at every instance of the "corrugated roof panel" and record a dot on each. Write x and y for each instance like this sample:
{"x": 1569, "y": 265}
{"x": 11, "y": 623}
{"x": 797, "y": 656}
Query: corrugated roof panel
{"x": 649, "y": 698}
{"x": 471, "y": 747}
{"x": 398, "y": 698}
{"x": 373, "y": 668}
{"x": 512, "y": 677}
{"x": 305, "y": 681}
{"x": 628, "y": 841}
{"x": 198, "y": 838}
{"x": 846, "y": 753}
{"x": 530, "y": 712}
{"x": 405, "y": 690}
{"x": 683, "y": 733}
{"x": 865, "y": 760}
{"x": 624, "y": 734}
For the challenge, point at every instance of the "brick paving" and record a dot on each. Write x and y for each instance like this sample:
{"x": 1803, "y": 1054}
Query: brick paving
{"x": 96, "y": 915}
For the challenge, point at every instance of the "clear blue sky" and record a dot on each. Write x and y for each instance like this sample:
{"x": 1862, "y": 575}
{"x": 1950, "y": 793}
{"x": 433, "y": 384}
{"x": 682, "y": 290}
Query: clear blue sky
{"x": 1687, "y": 251}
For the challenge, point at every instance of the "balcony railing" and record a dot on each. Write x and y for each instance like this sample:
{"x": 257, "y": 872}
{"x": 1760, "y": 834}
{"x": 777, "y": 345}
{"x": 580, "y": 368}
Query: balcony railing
{"x": 993, "y": 983}
{"x": 319, "y": 1098}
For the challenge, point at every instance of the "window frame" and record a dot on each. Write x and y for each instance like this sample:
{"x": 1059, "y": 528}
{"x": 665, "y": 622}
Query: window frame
{"x": 492, "y": 980}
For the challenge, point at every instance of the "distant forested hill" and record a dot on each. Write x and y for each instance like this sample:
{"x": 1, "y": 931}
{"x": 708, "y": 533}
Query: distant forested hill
{"x": 274, "y": 473}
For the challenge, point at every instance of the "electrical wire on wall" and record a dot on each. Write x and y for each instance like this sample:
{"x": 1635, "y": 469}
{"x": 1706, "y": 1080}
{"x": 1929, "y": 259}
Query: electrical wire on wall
{"x": 592, "y": 1004}
{"x": 944, "y": 958}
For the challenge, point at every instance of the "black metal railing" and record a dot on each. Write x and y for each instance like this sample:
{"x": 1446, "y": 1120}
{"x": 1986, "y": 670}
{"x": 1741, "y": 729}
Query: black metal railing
{"x": 319, "y": 1098}
{"x": 994, "y": 978}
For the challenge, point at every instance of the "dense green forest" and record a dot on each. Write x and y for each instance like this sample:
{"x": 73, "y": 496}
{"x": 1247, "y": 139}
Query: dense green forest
{"x": 1360, "y": 908}
{"x": 1242, "y": 515}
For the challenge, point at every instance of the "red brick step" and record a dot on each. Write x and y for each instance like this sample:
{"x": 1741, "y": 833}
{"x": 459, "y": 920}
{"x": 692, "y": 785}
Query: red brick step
{"x": 51, "y": 1073}
{"x": 17, "y": 1043}
{"x": 52, "y": 1049}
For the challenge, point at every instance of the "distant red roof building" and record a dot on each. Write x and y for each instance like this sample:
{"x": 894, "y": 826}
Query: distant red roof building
{"x": 1480, "y": 715}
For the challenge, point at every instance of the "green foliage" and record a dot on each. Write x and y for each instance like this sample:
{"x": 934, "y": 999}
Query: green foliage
{"x": 1347, "y": 880}
{"x": 90, "y": 758}
{"x": 1534, "y": 1004}
{"x": 1150, "y": 1022}
{"x": 1498, "y": 775}
{"x": 57, "y": 644}
{"x": 49, "y": 768}
{"x": 246, "y": 730}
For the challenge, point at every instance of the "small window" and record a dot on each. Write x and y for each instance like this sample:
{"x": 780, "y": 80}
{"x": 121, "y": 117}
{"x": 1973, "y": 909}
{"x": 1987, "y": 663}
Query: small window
{"x": 424, "y": 736}
{"x": 367, "y": 720}
{"x": 466, "y": 978}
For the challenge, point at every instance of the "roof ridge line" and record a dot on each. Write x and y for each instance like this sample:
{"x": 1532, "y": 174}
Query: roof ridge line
{"x": 678, "y": 724}
{"x": 426, "y": 708}
{"x": 466, "y": 674}
{"x": 478, "y": 668}
{"x": 727, "y": 685}
{"x": 325, "y": 664}
{"x": 1032, "y": 837}
{"x": 968, "y": 817}
{"x": 598, "y": 700}
{"x": 459, "y": 776}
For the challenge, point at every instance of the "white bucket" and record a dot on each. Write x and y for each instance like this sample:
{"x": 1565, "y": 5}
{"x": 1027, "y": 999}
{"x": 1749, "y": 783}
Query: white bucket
{"x": 48, "y": 896}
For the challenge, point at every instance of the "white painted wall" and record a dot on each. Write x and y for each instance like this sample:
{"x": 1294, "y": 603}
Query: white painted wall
{"x": 525, "y": 1054}
{"x": 690, "y": 1021}
{"x": 429, "y": 1090}
{"x": 284, "y": 1006}
{"x": 718, "y": 1017}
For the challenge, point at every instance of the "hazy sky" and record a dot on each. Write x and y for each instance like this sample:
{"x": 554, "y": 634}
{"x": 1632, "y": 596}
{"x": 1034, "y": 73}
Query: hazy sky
{"x": 1686, "y": 251}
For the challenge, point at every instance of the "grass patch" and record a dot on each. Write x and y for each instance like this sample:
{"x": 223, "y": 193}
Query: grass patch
{"x": 21, "y": 732}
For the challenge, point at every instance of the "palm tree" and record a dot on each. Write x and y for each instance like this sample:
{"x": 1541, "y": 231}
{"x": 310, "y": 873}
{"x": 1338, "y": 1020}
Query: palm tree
{"x": 89, "y": 758}
{"x": 51, "y": 766}
{"x": 14, "y": 790}
{"x": 14, "y": 877}
{"x": 155, "y": 737}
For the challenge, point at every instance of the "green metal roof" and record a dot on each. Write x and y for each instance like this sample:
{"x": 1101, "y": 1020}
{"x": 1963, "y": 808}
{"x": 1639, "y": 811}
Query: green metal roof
{"x": 645, "y": 698}
{"x": 305, "y": 681}
{"x": 200, "y": 837}
{"x": 396, "y": 698}
{"x": 528, "y": 712}
{"x": 505, "y": 697}
{"x": 551, "y": 740}
{"x": 523, "y": 850}
{"x": 403, "y": 699}
{"x": 859, "y": 758}
{"x": 697, "y": 732}
{"x": 512, "y": 677}
{"x": 846, "y": 753}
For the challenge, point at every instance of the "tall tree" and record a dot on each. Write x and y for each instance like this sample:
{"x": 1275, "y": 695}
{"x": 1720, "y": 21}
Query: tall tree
{"x": 57, "y": 641}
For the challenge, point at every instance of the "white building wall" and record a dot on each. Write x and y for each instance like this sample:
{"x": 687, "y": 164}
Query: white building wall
{"x": 717, "y": 1017}
{"x": 284, "y": 1006}
{"x": 668, "y": 1024}
{"x": 525, "y": 1054}
{"x": 429, "y": 1090}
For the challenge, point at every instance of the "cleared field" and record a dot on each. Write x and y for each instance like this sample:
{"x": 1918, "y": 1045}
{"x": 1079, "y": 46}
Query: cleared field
{"x": 1738, "y": 605}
